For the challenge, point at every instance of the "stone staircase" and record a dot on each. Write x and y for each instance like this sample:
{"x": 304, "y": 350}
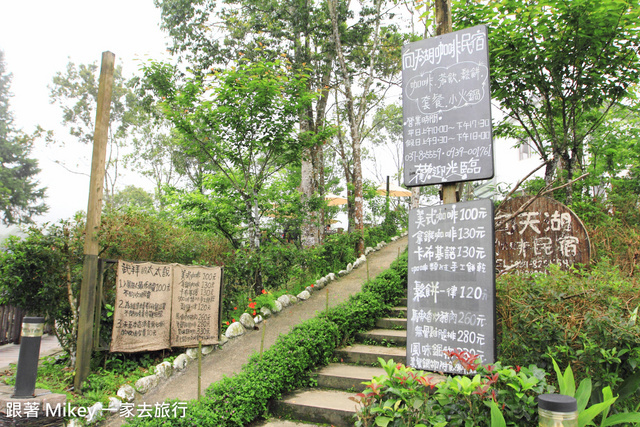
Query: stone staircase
{"x": 329, "y": 403}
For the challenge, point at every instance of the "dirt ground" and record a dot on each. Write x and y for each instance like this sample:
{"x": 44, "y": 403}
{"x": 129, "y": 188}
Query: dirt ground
{"x": 230, "y": 358}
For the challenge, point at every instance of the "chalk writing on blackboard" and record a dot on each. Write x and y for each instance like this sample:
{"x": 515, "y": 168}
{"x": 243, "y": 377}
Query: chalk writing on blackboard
{"x": 451, "y": 295}
{"x": 446, "y": 109}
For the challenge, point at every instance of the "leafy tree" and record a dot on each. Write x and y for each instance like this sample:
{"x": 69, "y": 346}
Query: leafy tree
{"x": 205, "y": 34}
{"x": 557, "y": 69}
{"x": 385, "y": 133}
{"x": 614, "y": 166}
{"x": 368, "y": 56}
{"x": 42, "y": 273}
{"x": 154, "y": 153}
{"x": 132, "y": 197}
{"x": 75, "y": 91}
{"x": 239, "y": 121}
{"x": 20, "y": 195}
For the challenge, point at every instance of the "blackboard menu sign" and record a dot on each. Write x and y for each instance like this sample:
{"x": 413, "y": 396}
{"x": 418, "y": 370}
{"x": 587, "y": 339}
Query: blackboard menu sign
{"x": 447, "y": 109}
{"x": 451, "y": 285}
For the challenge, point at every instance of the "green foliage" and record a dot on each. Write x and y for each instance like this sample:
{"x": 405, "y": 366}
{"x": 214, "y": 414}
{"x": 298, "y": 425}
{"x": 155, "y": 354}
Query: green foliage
{"x": 602, "y": 403}
{"x": 495, "y": 395}
{"x": 55, "y": 374}
{"x": 240, "y": 123}
{"x": 557, "y": 67}
{"x": 131, "y": 197}
{"x": 41, "y": 273}
{"x": 20, "y": 195}
{"x": 583, "y": 318}
{"x": 144, "y": 236}
{"x": 285, "y": 366}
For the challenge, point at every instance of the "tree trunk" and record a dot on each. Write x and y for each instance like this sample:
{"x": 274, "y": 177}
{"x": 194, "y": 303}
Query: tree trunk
{"x": 308, "y": 187}
{"x": 415, "y": 198}
{"x": 354, "y": 123}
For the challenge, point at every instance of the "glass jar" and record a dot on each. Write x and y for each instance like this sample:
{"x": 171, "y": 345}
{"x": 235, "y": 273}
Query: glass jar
{"x": 557, "y": 410}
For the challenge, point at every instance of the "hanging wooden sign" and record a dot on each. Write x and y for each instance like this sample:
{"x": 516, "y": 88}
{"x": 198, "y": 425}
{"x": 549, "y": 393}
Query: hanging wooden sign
{"x": 165, "y": 305}
{"x": 446, "y": 108}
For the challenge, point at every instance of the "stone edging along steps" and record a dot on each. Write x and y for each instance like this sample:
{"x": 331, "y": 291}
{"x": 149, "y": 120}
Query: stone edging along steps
{"x": 166, "y": 374}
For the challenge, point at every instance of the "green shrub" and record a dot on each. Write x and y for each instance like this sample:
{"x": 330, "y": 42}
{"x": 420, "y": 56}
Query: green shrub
{"x": 584, "y": 318}
{"x": 286, "y": 364}
{"x": 405, "y": 397}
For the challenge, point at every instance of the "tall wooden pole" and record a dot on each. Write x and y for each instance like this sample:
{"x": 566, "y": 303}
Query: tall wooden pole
{"x": 444, "y": 25}
{"x": 94, "y": 209}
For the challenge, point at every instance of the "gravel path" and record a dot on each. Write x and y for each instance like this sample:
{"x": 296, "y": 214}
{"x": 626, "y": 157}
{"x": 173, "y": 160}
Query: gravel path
{"x": 234, "y": 354}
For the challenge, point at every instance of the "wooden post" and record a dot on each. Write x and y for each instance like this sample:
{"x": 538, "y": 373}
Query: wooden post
{"x": 368, "y": 278}
{"x": 444, "y": 25}
{"x": 98, "y": 306}
{"x": 386, "y": 202}
{"x": 264, "y": 329}
{"x": 199, "y": 368}
{"x": 94, "y": 209}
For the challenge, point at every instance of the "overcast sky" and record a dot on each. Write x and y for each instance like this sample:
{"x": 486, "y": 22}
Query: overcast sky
{"x": 39, "y": 38}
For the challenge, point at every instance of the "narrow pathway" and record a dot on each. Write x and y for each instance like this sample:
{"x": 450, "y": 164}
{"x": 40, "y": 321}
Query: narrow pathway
{"x": 232, "y": 356}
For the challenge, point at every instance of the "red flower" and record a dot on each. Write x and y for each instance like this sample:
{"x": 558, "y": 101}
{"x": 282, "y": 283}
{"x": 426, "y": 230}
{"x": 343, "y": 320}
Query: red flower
{"x": 517, "y": 369}
{"x": 254, "y": 312}
{"x": 264, "y": 292}
{"x": 235, "y": 308}
{"x": 250, "y": 300}
{"x": 252, "y": 305}
{"x": 233, "y": 320}
{"x": 227, "y": 323}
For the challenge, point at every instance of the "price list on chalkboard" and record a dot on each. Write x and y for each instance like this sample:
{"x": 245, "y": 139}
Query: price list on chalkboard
{"x": 451, "y": 285}
{"x": 447, "y": 109}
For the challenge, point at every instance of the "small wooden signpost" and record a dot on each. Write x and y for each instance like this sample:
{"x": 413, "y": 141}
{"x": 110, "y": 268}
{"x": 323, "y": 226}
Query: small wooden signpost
{"x": 544, "y": 232}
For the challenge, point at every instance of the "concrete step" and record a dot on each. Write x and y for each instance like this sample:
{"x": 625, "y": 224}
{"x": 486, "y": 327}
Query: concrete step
{"x": 384, "y": 336}
{"x": 363, "y": 354}
{"x": 403, "y": 301}
{"x": 317, "y": 406}
{"x": 400, "y": 312}
{"x": 392, "y": 323}
{"x": 341, "y": 376}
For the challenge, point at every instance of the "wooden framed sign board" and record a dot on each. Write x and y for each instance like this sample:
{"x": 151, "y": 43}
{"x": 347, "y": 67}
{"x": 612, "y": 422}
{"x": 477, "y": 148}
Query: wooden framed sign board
{"x": 451, "y": 285}
{"x": 447, "y": 109}
{"x": 165, "y": 305}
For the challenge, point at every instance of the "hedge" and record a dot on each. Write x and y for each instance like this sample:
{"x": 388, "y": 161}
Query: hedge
{"x": 285, "y": 366}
